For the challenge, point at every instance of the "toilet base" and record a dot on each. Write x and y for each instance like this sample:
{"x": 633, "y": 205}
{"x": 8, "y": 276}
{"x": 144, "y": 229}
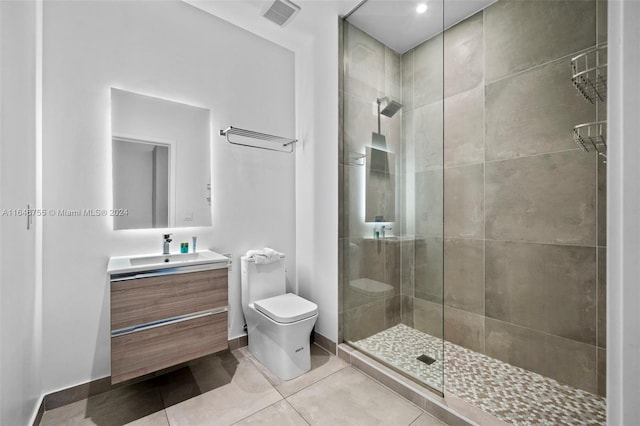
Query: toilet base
{"x": 282, "y": 348}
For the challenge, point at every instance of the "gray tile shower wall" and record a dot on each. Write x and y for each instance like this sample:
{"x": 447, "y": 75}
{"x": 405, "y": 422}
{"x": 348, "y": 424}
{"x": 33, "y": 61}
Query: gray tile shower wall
{"x": 523, "y": 34}
{"x": 524, "y": 208}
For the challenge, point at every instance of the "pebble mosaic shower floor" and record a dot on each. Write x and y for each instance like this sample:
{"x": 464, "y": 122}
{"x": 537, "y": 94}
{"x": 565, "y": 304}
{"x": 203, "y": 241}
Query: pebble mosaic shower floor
{"x": 510, "y": 393}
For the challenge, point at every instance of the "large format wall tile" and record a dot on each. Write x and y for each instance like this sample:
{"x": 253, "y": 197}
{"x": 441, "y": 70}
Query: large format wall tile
{"x": 342, "y": 245}
{"x": 602, "y": 20}
{"x": 373, "y": 259}
{"x": 392, "y": 74}
{"x": 407, "y": 267}
{"x": 342, "y": 227}
{"x": 353, "y": 205}
{"x": 407, "y": 154}
{"x": 360, "y": 121}
{"x": 602, "y": 202}
{"x": 428, "y": 317}
{"x": 429, "y": 203}
{"x": 364, "y": 68}
{"x": 392, "y": 264}
{"x": 602, "y": 372}
{"x": 391, "y": 128}
{"x": 565, "y": 360}
{"x": 544, "y": 198}
{"x": 602, "y": 297}
{"x": 521, "y": 34}
{"x": 380, "y": 196}
{"x": 549, "y": 288}
{"x": 429, "y": 138}
{"x": 464, "y": 128}
{"x": 464, "y": 55}
{"x": 464, "y": 274}
{"x": 392, "y": 311}
{"x": 429, "y": 283}
{"x": 407, "y": 310}
{"x": 364, "y": 321}
{"x": 464, "y": 201}
{"x": 464, "y": 328}
{"x": 428, "y": 75}
{"x": 407, "y": 80}
{"x": 534, "y": 112}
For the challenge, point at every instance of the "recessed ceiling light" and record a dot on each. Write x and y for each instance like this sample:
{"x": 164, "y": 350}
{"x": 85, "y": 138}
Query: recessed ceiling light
{"x": 422, "y": 8}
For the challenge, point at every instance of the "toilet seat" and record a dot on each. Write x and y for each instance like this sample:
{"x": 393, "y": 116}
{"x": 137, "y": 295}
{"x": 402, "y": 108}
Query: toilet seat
{"x": 286, "y": 308}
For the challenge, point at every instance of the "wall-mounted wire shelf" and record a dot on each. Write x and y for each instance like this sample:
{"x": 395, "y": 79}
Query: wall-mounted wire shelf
{"x": 589, "y": 73}
{"x": 592, "y": 137}
{"x": 248, "y": 138}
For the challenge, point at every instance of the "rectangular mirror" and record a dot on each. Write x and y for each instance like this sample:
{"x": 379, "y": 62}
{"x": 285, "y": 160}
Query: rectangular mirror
{"x": 380, "y": 193}
{"x": 161, "y": 162}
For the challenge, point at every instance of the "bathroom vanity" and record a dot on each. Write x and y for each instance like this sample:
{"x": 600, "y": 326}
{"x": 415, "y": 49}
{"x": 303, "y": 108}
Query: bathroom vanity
{"x": 166, "y": 310}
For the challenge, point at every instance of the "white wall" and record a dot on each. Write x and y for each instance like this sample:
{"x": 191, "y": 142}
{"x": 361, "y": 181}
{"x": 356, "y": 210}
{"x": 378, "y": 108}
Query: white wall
{"x": 174, "y": 51}
{"x": 317, "y": 173}
{"x": 313, "y": 35}
{"x": 20, "y": 322}
{"x": 623, "y": 211}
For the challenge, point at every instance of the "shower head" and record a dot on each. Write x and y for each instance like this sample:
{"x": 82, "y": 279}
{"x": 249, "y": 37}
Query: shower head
{"x": 390, "y": 108}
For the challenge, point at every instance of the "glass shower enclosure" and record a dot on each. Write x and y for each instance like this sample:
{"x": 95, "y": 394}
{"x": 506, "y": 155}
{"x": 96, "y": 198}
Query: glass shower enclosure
{"x": 472, "y": 166}
{"x": 391, "y": 167}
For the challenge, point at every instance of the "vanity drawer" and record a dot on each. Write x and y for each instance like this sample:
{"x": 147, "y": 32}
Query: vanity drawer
{"x": 146, "y": 300}
{"x": 146, "y": 351}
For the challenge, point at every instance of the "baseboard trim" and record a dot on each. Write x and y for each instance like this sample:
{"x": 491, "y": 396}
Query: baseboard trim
{"x": 39, "y": 413}
{"x": 324, "y": 342}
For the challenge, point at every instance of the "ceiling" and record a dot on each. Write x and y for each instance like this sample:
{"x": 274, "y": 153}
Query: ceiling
{"x": 397, "y": 25}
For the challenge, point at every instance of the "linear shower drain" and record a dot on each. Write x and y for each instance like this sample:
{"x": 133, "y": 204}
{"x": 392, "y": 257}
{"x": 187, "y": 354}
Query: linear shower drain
{"x": 426, "y": 359}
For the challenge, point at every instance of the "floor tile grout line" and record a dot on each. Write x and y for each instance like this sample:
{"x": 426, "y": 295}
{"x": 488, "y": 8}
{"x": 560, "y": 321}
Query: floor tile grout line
{"x": 166, "y": 416}
{"x": 313, "y": 383}
{"x": 256, "y": 412}
{"x": 299, "y": 413}
{"x": 251, "y": 359}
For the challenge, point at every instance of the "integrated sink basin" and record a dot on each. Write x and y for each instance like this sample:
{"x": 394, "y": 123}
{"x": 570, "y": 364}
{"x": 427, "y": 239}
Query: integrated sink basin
{"x": 151, "y": 262}
{"x": 165, "y": 258}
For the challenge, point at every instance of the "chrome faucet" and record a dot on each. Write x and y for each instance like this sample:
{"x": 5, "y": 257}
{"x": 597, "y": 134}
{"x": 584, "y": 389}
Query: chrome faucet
{"x": 166, "y": 240}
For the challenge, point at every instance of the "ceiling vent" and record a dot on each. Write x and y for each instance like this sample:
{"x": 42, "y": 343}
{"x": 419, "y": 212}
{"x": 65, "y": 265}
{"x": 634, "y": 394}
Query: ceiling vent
{"x": 281, "y": 12}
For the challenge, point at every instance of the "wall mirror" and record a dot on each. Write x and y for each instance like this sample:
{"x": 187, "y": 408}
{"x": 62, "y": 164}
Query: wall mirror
{"x": 380, "y": 193}
{"x": 161, "y": 162}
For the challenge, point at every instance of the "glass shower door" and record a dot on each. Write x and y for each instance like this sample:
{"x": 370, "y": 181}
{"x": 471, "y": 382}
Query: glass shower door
{"x": 391, "y": 165}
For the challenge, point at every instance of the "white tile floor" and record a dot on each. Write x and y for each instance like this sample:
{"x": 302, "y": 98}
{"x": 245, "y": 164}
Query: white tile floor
{"x": 234, "y": 389}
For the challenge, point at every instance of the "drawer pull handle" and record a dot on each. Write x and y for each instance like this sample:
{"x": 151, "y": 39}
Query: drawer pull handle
{"x": 167, "y": 321}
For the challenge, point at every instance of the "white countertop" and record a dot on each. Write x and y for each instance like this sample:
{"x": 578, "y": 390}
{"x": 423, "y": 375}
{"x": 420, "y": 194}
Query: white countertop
{"x": 150, "y": 262}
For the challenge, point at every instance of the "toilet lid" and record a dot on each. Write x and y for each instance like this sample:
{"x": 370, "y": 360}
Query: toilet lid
{"x": 286, "y": 308}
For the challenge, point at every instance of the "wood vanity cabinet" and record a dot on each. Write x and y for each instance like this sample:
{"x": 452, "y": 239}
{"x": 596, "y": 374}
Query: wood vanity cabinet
{"x": 160, "y": 321}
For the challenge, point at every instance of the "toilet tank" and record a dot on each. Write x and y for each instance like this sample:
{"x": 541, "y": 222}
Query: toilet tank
{"x": 260, "y": 281}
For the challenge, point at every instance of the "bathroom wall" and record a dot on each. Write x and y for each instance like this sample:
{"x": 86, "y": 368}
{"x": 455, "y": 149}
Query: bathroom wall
{"x": 20, "y": 291}
{"x": 623, "y": 204}
{"x": 524, "y": 228}
{"x": 174, "y": 51}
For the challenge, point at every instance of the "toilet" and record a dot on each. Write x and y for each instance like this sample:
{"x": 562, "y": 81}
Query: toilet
{"x": 279, "y": 324}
